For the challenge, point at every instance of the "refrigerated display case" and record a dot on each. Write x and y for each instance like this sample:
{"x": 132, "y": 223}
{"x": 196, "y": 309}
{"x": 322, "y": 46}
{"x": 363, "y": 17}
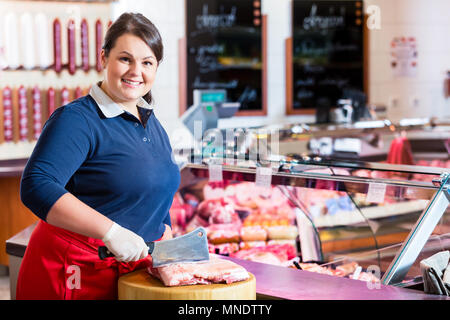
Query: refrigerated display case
{"x": 359, "y": 220}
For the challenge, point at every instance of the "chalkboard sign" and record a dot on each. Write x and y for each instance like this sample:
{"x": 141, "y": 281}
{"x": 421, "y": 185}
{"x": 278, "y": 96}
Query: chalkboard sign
{"x": 327, "y": 51}
{"x": 224, "y": 50}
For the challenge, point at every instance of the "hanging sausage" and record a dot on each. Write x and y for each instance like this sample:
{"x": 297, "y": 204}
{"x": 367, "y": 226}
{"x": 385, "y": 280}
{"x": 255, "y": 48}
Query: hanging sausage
{"x": 51, "y": 101}
{"x": 7, "y": 114}
{"x": 64, "y": 96}
{"x": 57, "y": 45}
{"x": 27, "y": 41}
{"x": 78, "y": 93}
{"x": 37, "y": 121}
{"x": 84, "y": 45}
{"x": 10, "y": 33}
{"x": 71, "y": 46}
{"x": 23, "y": 114}
{"x": 98, "y": 44}
{"x": 42, "y": 43}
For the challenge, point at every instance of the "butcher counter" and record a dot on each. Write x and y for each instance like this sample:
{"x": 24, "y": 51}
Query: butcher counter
{"x": 272, "y": 282}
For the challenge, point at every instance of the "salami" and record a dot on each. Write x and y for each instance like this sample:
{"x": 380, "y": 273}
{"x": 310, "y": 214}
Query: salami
{"x": 84, "y": 45}
{"x": 51, "y": 102}
{"x": 64, "y": 96}
{"x": 42, "y": 43}
{"x": 37, "y": 121}
{"x": 27, "y": 41}
{"x": 11, "y": 43}
{"x": 8, "y": 114}
{"x": 57, "y": 45}
{"x": 23, "y": 114}
{"x": 98, "y": 44}
{"x": 71, "y": 46}
{"x": 78, "y": 93}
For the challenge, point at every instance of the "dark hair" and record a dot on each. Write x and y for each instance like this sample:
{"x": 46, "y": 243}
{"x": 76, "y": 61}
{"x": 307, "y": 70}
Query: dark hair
{"x": 138, "y": 25}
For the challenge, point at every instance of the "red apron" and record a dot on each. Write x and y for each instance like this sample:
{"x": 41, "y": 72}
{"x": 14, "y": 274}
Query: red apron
{"x": 62, "y": 265}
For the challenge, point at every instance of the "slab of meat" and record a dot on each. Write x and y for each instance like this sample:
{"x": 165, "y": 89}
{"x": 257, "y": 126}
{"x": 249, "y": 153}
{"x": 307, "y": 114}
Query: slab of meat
{"x": 215, "y": 270}
{"x": 284, "y": 252}
{"x": 223, "y": 233}
{"x": 253, "y": 233}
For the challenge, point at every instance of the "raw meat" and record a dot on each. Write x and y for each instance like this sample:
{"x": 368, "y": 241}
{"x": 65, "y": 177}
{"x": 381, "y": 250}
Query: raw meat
{"x": 282, "y": 232}
{"x": 253, "y": 233}
{"x": 284, "y": 252}
{"x": 215, "y": 270}
{"x": 265, "y": 257}
{"x": 224, "y": 248}
{"x": 223, "y": 233}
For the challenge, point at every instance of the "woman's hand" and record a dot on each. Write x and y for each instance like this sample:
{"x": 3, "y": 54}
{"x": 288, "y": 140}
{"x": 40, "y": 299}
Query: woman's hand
{"x": 167, "y": 233}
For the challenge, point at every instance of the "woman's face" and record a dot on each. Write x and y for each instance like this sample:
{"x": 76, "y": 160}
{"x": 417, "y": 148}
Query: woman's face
{"x": 129, "y": 69}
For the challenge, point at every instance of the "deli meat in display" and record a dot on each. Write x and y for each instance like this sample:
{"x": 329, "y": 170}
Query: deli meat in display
{"x": 215, "y": 270}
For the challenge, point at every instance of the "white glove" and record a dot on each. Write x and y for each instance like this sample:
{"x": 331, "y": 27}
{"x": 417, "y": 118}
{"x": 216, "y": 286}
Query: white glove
{"x": 124, "y": 244}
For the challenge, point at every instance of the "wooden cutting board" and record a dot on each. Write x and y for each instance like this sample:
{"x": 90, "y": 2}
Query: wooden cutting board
{"x": 140, "y": 285}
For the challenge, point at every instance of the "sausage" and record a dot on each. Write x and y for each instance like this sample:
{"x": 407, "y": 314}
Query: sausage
{"x": 44, "y": 53}
{"x": 8, "y": 114}
{"x": 84, "y": 45}
{"x": 57, "y": 45}
{"x": 51, "y": 102}
{"x": 78, "y": 92}
{"x": 98, "y": 44}
{"x": 37, "y": 119}
{"x": 23, "y": 114}
{"x": 71, "y": 46}
{"x": 64, "y": 96}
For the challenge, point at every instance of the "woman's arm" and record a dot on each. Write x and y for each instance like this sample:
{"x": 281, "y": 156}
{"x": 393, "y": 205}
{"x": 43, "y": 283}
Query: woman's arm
{"x": 72, "y": 214}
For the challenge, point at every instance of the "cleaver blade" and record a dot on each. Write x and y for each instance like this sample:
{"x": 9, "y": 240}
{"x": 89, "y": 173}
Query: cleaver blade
{"x": 190, "y": 247}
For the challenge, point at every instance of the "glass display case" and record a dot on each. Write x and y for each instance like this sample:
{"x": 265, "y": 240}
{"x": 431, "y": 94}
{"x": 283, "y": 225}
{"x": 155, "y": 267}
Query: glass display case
{"x": 368, "y": 221}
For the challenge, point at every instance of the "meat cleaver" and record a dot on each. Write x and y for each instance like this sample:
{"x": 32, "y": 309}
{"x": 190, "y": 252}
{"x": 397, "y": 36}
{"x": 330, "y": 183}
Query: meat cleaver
{"x": 190, "y": 247}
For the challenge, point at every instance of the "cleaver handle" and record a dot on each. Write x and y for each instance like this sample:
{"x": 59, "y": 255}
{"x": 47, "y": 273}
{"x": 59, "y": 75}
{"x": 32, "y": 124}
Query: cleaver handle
{"x": 104, "y": 253}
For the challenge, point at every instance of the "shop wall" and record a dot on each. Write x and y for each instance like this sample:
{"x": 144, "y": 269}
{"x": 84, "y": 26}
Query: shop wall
{"x": 418, "y": 96}
{"x": 421, "y": 95}
{"x": 169, "y": 17}
{"x": 47, "y": 77}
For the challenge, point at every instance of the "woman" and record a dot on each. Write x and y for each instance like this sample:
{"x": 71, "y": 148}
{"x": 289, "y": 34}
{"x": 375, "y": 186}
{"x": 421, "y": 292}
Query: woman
{"x": 100, "y": 174}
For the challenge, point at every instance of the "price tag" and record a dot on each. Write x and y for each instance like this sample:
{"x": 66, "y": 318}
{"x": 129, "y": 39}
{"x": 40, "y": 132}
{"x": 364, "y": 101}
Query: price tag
{"x": 263, "y": 177}
{"x": 215, "y": 172}
{"x": 376, "y": 192}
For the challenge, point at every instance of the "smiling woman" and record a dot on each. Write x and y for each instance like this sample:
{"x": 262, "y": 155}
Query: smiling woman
{"x": 130, "y": 69}
{"x": 101, "y": 174}
{"x": 135, "y": 27}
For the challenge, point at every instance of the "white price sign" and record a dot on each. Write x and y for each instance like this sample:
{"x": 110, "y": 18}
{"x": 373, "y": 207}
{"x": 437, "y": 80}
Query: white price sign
{"x": 376, "y": 193}
{"x": 263, "y": 177}
{"x": 215, "y": 172}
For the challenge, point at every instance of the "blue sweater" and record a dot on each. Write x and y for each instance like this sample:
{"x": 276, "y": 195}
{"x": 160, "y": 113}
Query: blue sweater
{"x": 113, "y": 163}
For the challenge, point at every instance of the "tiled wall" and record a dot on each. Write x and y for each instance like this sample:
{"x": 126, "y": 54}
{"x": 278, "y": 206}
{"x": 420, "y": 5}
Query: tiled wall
{"x": 426, "y": 20}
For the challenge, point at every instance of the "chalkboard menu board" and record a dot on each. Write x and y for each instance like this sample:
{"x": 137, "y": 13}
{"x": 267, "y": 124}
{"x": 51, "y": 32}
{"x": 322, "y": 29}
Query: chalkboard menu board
{"x": 327, "y": 51}
{"x": 224, "y": 50}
